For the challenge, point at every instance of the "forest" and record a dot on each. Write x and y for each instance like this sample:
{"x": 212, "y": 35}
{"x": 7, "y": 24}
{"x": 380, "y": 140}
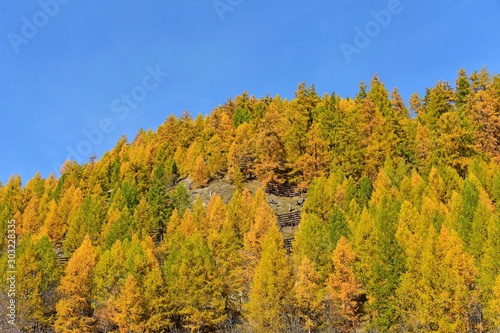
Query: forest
{"x": 397, "y": 228}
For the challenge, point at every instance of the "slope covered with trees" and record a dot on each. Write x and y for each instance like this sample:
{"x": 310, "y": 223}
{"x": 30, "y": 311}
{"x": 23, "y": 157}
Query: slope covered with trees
{"x": 399, "y": 232}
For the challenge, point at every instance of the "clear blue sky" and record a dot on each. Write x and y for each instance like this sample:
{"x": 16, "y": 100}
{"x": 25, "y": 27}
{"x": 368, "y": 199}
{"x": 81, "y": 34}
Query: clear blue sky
{"x": 69, "y": 74}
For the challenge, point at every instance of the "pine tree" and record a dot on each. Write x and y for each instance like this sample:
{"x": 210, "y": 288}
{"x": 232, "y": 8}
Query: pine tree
{"x": 463, "y": 90}
{"x": 180, "y": 198}
{"x": 470, "y": 199}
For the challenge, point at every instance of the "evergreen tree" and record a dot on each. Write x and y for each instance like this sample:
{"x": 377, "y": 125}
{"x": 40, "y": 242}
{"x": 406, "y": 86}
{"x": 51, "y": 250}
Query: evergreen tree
{"x": 157, "y": 197}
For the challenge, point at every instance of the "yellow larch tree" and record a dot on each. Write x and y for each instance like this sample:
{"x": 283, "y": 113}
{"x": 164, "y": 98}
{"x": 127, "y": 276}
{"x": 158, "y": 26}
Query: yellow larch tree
{"x": 344, "y": 288}
{"x": 270, "y": 297}
{"x": 74, "y": 311}
{"x": 129, "y": 309}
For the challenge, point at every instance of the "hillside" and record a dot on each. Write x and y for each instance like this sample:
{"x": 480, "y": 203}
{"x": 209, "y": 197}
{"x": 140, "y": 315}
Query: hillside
{"x": 315, "y": 214}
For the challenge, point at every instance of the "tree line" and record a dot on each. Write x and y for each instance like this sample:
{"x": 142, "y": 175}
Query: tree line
{"x": 400, "y": 231}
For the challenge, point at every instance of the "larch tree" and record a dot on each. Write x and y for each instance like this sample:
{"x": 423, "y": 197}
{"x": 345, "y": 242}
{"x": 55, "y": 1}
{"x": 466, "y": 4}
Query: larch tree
{"x": 194, "y": 282}
{"x": 31, "y": 222}
{"x": 270, "y": 297}
{"x": 493, "y": 310}
{"x": 108, "y": 277}
{"x": 74, "y": 310}
{"x": 320, "y": 197}
{"x": 200, "y": 173}
{"x": 489, "y": 265}
{"x": 239, "y": 211}
{"x": 484, "y": 112}
{"x": 452, "y": 142}
{"x": 54, "y": 227}
{"x": 30, "y": 306}
{"x": 144, "y": 219}
{"x": 270, "y": 147}
{"x": 241, "y": 154}
{"x": 129, "y": 309}
{"x": 415, "y": 293}
{"x": 265, "y": 218}
{"x": 344, "y": 289}
{"x": 51, "y": 273}
{"x": 313, "y": 241}
{"x": 216, "y": 160}
{"x": 315, "y": 161}
{"x": 309, "y": 295}
{"x": 455, "y": 284}
{"x": 225, "y": 247}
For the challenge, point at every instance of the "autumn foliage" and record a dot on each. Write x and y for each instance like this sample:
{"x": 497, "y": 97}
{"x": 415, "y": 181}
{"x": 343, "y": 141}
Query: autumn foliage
{"x": 399, "y": 231}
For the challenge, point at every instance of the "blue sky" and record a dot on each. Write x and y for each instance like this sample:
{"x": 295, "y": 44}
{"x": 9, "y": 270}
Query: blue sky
{"x": 66, "y": 65}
